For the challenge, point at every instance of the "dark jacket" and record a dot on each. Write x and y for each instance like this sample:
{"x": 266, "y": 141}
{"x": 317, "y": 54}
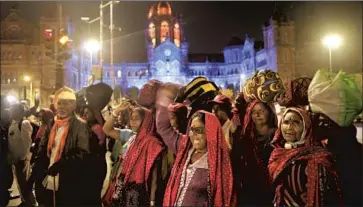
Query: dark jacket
{"x": 73, "y": 167}
{"x": 347, "y": 151}
{"x": 6, "y": 175}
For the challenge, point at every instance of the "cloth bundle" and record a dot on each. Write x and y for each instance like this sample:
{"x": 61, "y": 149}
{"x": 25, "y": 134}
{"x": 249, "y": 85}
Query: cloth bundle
{"x": 296, "y": 93}
{"x": 338, "y": 96}
{"x": 265, "y": 85}
{"x": 147, "y": 95}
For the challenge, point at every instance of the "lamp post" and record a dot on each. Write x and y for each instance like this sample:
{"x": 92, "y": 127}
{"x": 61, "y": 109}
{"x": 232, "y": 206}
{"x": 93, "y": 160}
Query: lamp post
{"x": 92, "y": 46}
{"x": 331, "y": 42}
{"x": 28, "y": 79}
{"x": 111, "y": 27}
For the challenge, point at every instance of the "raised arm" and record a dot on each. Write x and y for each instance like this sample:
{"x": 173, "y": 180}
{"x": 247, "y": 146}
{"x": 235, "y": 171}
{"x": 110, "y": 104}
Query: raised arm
{"x": 108, "y": 126}
{"x": 169, "y": 135}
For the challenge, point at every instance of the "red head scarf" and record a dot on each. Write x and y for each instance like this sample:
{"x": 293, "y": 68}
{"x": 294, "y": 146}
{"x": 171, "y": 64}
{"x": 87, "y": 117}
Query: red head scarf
{"x": 256, "y": 167}
{"x": 310, "y": 150}
{"x": 142, "y": 153}
{"x": 220, "y": 169}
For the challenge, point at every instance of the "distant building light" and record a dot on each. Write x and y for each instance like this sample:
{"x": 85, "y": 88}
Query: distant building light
{"x": 85, "y": 18}
{"x": 11, "y": 99}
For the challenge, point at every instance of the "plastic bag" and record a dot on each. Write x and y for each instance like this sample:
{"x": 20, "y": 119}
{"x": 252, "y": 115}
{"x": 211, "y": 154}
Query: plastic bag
{"x": 339, "y": 96}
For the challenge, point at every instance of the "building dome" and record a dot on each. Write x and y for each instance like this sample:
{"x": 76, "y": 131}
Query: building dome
{"x": 160, "y": 9}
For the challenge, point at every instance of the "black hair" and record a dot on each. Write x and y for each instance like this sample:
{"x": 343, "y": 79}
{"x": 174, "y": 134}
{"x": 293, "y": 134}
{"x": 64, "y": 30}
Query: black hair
{"x": 200, "y": 115}
{"x": 227, "y": 108}
{"x": 181, "y": 118}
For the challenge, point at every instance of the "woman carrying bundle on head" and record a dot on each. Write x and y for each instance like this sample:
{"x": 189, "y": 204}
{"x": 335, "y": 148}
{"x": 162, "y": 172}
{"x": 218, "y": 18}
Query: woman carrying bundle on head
{"x": 301, "y": 170}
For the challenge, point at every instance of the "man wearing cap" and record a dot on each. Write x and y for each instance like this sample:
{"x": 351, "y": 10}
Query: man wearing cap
{"x": 62, "y": 154}
{"x": 222, "y": 109}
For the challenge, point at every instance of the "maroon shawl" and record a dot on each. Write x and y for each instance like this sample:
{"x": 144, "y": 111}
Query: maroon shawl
{"x": 142, "y": 154}
{"x": 256, "y": 168}
{"x": 311, "y": 151}
{"x": 220, "y": 169}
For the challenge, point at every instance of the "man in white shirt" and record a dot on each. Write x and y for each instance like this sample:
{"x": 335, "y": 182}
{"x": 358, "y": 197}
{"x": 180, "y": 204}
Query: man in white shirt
{"x": 19, "y": 143}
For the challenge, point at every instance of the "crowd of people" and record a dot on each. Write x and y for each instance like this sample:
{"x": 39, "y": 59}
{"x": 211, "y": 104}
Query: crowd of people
{"x": 178, "y": 146}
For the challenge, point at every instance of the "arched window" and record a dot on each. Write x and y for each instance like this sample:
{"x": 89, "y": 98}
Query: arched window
{"x": 164, "y": 30}
{"x": 177, "y": 35}
{"x": 152, "y": 33}
{"x": 129, "y": 73}
{"x": 119, "y": 73}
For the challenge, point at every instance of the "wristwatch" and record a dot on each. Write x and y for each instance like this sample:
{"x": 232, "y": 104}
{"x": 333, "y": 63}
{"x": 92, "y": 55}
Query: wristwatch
{"x": 152, "y": 203}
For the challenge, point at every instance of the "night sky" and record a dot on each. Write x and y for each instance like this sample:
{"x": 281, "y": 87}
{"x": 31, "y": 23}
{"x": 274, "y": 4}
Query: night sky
{"x": 209, "y": 25}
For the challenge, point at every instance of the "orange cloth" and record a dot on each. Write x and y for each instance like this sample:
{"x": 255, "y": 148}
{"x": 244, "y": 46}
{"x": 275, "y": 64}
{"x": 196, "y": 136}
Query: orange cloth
{"x": 58, "y": 123}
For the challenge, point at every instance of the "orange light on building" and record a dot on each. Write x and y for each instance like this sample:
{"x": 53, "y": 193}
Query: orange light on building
{"x": 64, "y": 39}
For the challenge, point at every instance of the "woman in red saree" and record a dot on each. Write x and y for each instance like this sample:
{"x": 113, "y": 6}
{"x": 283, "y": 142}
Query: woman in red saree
{"x": 251, "y": 154}
{"x": 136, "y": 184}
{"x": 202, "y": 173}
{"x": 301, "y": 170}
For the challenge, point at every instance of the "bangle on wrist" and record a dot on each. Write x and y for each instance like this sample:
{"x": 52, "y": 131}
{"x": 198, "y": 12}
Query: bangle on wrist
{"x": 152, "y": 203}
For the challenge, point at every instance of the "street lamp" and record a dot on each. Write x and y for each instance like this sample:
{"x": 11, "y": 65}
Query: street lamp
{"x": 92, "y": 46}
{"x": 11, "y": 99}
{"x": 331, "y": 42}
{"x": 28, "y": 79}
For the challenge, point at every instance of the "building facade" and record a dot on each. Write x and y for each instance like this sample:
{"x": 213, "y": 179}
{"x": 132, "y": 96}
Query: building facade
{"x": 26, "y": 68}
{"x": 168, "y": 58}
{"x": 23, "y": 53}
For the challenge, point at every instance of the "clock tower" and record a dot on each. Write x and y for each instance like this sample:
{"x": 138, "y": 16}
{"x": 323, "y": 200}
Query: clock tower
{"x": 167, "y": 52}
{"x": 163, "y": 23}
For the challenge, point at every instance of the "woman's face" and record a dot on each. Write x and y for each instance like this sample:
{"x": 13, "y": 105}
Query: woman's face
{"x": 260, "y": 115}
{"x": 88, "y": 115}
{"x": 292, "y": 127}
{"x": 135, "y": 121}
{"x": 173, "y": 120}
{"x": 197, "y": 134}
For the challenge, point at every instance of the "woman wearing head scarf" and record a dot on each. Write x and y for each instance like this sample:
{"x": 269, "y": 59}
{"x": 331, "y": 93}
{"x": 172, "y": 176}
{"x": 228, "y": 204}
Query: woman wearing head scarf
{"x": 253, "y": 152}
{"x": 136, "y": 184}
{"x": 202, "y": 173}
{"x": 301, "y": 170}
